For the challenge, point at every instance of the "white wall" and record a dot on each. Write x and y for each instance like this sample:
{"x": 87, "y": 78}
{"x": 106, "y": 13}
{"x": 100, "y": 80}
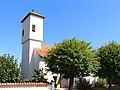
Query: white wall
{"x": 25, "y": 60}
{"x": 30, "y": 60}
{"x": 64, "y": 83}
{"x": 38, "y": 22}
{"x": 34, "y": 59}
{"x": 24, "y": 88}
{"x": 31, "y": 40}
{"x": 39, "y": 63}
{"x": 26, "y": 28}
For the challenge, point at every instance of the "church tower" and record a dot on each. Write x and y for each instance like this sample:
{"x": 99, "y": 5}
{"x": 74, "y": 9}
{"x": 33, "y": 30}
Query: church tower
{"x": 32, "y": 36}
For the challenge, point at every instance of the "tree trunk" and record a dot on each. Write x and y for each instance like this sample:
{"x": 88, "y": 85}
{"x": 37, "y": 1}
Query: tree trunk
{"x": 71, "y": 83}
{"x": 110, "y": 83}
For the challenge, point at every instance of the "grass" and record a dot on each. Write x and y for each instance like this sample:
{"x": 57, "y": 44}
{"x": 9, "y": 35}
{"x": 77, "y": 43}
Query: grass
{"x": 113, "y": 88}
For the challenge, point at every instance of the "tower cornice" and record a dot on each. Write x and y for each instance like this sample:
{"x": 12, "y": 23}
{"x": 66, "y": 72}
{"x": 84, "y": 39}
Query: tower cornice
{"x": 32, "y": 40}
{"x": 32, "y": 13}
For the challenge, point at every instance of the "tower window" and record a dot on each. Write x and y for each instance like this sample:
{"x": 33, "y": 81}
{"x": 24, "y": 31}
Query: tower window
{"x": 23, "y": 32}
{"x": 33, "y": 28}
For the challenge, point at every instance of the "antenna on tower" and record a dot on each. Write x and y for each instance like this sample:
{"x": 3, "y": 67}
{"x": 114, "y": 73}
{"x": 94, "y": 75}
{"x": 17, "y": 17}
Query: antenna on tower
{"x": 32, "y": 10}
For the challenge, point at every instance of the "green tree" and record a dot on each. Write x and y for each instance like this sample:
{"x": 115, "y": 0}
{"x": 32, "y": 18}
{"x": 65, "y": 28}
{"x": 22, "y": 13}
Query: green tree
{"x": 72, "y": 58}
{"x": 9, "y": 70}
{"x": 109, "y": 61}
{"x": 38, "y": 76}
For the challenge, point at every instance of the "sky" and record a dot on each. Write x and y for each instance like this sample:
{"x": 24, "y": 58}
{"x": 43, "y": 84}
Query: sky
{"x": 95, "y": 21}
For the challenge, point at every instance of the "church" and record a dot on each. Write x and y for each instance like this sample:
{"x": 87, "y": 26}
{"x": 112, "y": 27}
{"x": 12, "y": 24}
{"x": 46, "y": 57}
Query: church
{"x": 33, "y": 51}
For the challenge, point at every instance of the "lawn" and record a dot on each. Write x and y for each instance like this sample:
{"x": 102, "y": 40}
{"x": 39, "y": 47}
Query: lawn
{"x": 113, "y": 88}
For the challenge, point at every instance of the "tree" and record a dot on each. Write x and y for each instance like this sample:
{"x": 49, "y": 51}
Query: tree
{"x": 72, "y": 58}
{"x": 109, "y": 61}
{"x": 9, "y": 70}
{"x": 38, "y": 76}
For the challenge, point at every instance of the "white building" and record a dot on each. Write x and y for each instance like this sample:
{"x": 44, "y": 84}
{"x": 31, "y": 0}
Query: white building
{"x": 33, "y": 51}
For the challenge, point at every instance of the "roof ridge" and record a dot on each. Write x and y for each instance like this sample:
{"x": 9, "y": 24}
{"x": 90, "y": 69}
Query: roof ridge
{"x": 47, "y": 45}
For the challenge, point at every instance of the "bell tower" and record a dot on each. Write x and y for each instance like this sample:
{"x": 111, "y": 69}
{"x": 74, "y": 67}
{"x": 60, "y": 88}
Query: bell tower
{"x": 32, "y": 36}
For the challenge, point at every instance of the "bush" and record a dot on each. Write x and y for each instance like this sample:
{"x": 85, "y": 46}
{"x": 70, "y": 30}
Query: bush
{"x": 38, "y": 76}
{"x": 101, "y": 82}
{"x": 9, "y": 69}
{"x": 83, "y": 84}
{"x": 116, "y": 80}
{"x": 26, "y": 81}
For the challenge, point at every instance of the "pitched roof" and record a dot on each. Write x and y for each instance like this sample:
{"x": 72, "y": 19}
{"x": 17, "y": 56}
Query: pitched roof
{"x": 32, "y": 13}
{"x": 44, "y": 49}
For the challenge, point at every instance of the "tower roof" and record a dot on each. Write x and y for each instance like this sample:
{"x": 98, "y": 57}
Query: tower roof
{"x": 32, "y": 13}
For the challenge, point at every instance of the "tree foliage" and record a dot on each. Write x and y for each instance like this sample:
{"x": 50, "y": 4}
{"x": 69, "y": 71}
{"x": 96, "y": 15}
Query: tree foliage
{"x": 83, "y": 84}
{"x": 9, "y": 70}
{"x": 110, "y": 61}
{"x": 72, "y": 58}
{"x": 38, "y": 76}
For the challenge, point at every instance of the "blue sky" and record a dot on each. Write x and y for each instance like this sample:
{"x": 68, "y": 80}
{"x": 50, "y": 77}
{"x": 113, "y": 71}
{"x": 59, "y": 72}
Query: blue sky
{"x": 96, "y": 21}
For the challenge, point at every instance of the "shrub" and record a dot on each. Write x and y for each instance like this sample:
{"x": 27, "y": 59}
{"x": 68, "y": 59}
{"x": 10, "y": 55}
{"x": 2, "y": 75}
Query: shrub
{"x": 116, "y": 80}
{"x": 38, "y": 76}
{"x": 26, "y": 80}
{"x": 101, "y": 82}
{"x": 83, "y": 84}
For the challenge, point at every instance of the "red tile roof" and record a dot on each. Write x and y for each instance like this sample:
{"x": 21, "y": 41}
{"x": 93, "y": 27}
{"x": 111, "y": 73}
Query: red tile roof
{"x": 44, "y": 49}
{"x": 24, "y": 84}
